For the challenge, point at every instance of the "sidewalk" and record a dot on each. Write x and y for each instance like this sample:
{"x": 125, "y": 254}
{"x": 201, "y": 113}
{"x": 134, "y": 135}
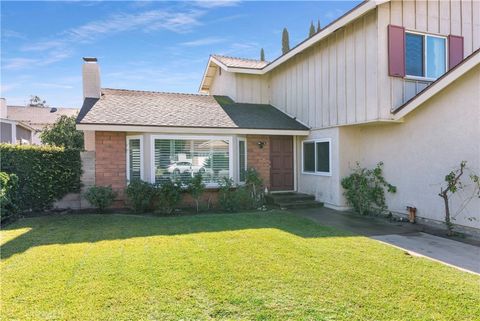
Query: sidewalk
{"x": 406, "y": 236}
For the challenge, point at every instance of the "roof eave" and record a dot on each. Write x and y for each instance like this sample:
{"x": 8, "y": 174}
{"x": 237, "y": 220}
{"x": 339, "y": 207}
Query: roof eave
{"x": 191, "y": 130}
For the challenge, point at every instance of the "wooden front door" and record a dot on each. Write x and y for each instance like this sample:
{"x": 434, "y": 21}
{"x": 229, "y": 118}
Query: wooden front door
{"x": 281, "y": 160}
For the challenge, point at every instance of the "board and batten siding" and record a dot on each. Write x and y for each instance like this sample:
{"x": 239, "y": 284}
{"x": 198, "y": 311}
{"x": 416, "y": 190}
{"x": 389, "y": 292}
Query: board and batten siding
{"x": 443, "y": 17}
{"x": 334, "y": 82}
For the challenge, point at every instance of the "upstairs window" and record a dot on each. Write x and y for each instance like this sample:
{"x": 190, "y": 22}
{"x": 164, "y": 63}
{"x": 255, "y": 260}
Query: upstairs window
{"x": 425, "y": 55}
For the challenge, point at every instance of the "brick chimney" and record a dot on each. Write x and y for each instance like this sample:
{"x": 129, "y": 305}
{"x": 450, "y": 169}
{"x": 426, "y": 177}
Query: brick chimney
{"x": 91, "y": 78}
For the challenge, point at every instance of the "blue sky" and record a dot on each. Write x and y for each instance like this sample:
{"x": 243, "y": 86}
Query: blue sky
{"x": 150, "y": 45}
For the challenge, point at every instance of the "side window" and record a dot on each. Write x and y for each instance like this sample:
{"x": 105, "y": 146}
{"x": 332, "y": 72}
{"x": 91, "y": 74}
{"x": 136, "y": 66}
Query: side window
{"x": 316, "y": 157}
{"x": 414, "y": 55}
{"x": 242, "y": 160}
{"x": 134, "y": 158}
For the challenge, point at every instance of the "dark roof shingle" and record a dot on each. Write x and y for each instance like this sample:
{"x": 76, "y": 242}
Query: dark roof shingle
{"x": 146, "y": 108}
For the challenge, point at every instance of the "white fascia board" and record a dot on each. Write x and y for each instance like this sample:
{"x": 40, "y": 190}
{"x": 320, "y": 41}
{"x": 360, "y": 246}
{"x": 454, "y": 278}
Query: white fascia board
{"x": 356, "y": 13}
{"x": 439, "y": 86}
{"x": 190, "y": 130}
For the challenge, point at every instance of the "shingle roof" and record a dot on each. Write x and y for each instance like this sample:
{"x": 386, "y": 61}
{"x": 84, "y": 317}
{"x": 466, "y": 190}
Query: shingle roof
{"x": 146, "y": 108}
{"x": 38, "y": 117}
{"x": 241, "y": 62}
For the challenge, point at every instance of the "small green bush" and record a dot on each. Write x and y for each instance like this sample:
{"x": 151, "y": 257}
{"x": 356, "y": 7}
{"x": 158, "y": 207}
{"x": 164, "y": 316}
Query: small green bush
{"x": 365, "y": 189}
{"x": 101, "y": 197}
{"x": 254, "y": 184}
{"x": 45, "y": 174}
{"x": 228, "y": 199}
{"x": 169, "y": 195}
{"x": 8, "y": 196}
{"x": 141, "y": 195}
{"x": 196, "y": 188}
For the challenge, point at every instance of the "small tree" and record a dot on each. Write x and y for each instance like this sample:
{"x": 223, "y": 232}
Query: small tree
{"x": 455, "y": 184}
{"x": 36, "y": 101}
{"x": 318, "y": 26}
{"x": 311, "y": 32}
{"x": 196, "y": 188}
{"x": 285, "y": 41}
{"x": 63, "y": 134}
{"x": 262, "y": 55}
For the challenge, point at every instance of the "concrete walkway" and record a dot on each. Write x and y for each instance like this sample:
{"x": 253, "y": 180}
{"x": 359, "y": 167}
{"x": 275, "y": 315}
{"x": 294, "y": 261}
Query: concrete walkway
{"x": 406, "y": 236}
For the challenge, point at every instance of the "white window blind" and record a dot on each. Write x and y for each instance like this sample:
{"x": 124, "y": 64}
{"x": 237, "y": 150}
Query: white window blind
{"x": 242, "y": 160}
{"x": 181, "y": 159}
{"x": 134, "y": 159}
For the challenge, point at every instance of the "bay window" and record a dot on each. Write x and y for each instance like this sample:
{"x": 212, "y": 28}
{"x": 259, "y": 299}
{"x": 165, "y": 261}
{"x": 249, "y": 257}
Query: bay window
{"x": 316, "y": 157}
{"x": 242, "y": 160}
{"x": 175, "y": 158}
{"x": 425, "y": 55}
{"x": 134, "y": 157}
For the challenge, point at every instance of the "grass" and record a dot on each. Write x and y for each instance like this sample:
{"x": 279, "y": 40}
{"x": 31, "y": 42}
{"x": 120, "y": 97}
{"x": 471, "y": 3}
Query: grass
{"x": 273, "y": 266}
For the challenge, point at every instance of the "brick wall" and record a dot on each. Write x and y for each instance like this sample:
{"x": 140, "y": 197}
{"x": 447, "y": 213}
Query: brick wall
{"x": 110, "y": 162}
{"x": 259, "y": 158}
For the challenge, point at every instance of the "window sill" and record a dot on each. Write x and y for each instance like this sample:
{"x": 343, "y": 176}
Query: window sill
{"x": 328, "y": 174}
{"x": 419, "y": 78}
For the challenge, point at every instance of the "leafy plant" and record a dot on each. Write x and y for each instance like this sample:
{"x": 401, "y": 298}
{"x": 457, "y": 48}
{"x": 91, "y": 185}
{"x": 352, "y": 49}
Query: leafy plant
{"x": 365, "y": 189}
{"x": 169, "y": 195}
{"x": 196, "y": 188}
{"x": 141, "y": 195}
{"x": 254, "y": 184}
{"x": 454, "y": 184}
{"x": 63, "y": 133}
{"x": 45, "y": 173}
{"x": 8, "y": 196}
{"x": 101, "y": 197}
{"x": 227, "y": 198}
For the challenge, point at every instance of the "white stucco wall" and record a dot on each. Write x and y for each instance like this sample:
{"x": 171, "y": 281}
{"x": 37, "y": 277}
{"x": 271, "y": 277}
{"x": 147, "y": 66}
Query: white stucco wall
{"x": 417, "y": 153}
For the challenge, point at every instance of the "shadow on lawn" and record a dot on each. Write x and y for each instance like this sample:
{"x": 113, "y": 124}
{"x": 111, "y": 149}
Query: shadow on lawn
{"x": 67, "y": 229}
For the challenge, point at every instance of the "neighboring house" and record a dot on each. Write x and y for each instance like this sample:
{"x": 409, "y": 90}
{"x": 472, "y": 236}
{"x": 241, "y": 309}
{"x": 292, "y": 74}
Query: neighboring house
{"x": 38, "y": 117}
{"x": 11, "y": 131}
{"x": 391, "y": 81}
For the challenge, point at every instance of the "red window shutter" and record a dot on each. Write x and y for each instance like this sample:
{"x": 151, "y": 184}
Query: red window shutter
{"x": 396, "y": 51}
{"x": 455, "y": 50}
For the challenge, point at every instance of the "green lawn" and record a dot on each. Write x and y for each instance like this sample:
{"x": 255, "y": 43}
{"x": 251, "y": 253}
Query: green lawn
{"x": 272, "y": 266}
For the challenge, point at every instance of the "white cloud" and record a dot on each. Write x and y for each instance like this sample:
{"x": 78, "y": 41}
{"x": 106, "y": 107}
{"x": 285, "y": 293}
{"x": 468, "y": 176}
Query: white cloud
{"x": 216, "y": 3}
{"x": 203, "y": 42}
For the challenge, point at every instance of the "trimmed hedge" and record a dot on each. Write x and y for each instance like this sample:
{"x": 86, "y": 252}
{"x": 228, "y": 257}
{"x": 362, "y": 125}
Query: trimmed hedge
{"x": 45, "y": 173}
{"x": 8, "y": 196}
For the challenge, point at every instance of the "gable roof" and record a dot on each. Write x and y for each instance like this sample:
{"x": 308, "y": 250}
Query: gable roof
{"x": 356, "y": 12}
{"x": 119, "y": 107}
{"x": 438, "y": 85}
{"x": 38, "y": 117}
{"x": 236, "y": 62}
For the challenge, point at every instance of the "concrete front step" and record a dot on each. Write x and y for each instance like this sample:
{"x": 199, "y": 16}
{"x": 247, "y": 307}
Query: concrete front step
{"x": 293, "y": 200}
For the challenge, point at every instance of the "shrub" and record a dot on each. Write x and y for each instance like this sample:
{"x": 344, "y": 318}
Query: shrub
{"x": 101, "y": 197}
{"x": 63, "y": 133}
{"x": 196, "y": 188}
{"x": 8, "y": 196}
{"x": 44, "y": 173}
{"x": 228, "y": 199}
{"x": 365, "y": 190}
{"x": 141, "y": 195}
{"x": 254, "y": 184}
{"x": 169, "y": 195}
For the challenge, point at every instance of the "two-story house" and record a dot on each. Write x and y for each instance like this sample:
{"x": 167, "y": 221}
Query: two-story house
{"x": 390, "y": 81}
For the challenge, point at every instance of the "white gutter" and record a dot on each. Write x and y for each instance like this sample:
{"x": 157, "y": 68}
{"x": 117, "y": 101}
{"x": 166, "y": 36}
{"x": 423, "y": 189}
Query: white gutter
{"x": 438, "y": 86}
{"x": 191, "y": 130}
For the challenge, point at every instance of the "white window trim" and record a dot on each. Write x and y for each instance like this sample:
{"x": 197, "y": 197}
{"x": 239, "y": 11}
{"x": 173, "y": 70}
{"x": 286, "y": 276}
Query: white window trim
{"x": 315, "y": 141}
{"x": 188, "y": 137}
{"x": 142, "y": 175}
{"x": 425, "y": 58}
{"x": 242, "y": 139}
